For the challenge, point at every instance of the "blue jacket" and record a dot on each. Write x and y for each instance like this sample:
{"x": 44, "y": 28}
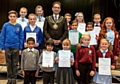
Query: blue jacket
{"x": 11, "y": 36}
{"x": 39, "y": 34}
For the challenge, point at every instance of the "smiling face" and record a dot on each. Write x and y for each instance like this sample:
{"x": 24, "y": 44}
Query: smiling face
{"x": 74, "y": 26}
{"x": 30, "y": 44}
{"x": 32, "y": 19}
{"x": 80, "y": 17}
{"x": 56, "y": 9}
{"x": 12, "y": 18}
{"x": 108, "y": 24}
{"x": 104, "y": 44}
{"x": 89, "y": 27}
{"x": 39, "y": 11}
{"x": 97, "y": 19}
{"x": 23, "y": 12}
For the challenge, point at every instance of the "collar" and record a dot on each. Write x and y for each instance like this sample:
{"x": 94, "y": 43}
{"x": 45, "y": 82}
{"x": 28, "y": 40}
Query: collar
{"x": 56, "y": 15}
{"x": 96, "y": 24}
{"x": 109, "y": 30}
{"x": 103, "y": 51}
{"x": 30, "y": 49}
{"x": 88, "y": 46}
{"x": 33, "y": 26}
{"x": 13, "y": 23}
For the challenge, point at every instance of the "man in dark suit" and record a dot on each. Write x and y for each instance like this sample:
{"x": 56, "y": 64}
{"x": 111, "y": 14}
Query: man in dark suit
{"x": 55, "y": 27}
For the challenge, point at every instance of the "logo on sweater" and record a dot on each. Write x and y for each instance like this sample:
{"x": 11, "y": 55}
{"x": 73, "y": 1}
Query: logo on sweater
{"x": 90, "y": 52}
{"x": 18, "y": 29}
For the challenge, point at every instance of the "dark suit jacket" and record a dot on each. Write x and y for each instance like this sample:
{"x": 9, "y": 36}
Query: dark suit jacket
{"x": 58, "y": 34}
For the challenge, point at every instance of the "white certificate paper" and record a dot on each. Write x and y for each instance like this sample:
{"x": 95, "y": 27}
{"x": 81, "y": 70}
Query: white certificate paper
{"x": 40, "y": 24}
{"x": 33, "y": 35}
{"x": 93, "y": 40}
{"x": 64, "y": 58}
{"x": 48, "y": 59}
{"x": 97, "y": 30}
{"x": 81, "y": 27}
{"x": 73, "y": 37}
{"x": 104, "y": 66}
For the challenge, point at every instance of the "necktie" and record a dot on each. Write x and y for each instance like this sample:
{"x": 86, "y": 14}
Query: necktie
{"x": 39, "y": 19}
{"x": 55, "y": 18}
{"x": 96, "y": 25}
{"x": 22, "y": 19}
{"x": 30, "y": 50}
{"x": 103, "y": 53}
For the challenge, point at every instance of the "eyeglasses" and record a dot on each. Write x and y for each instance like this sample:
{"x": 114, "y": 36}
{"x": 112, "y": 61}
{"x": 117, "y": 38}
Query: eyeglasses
{"x": 56, "y": 7}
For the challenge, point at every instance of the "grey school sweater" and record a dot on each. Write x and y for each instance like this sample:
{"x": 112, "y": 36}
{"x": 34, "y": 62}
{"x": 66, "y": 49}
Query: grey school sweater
{"x": 51, "y": 69}
{"x": 29, "y": 60}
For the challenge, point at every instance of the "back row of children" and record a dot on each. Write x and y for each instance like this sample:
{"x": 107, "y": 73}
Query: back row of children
{"x": 79, "y": 42}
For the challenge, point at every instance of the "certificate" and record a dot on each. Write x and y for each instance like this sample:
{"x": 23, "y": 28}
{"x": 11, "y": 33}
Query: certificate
{"x": 97, "y": 30}
{"x": 104, "y": 66}
{"x": 29, "y": 34}
{"x": 48, "y": 59}
{"x": 93, "y": 40}
{"x": 81, "y": 27}
{"x": 64, "y": 58}
{"x": 40, "y": 24}
{"x": 73, "y": 37}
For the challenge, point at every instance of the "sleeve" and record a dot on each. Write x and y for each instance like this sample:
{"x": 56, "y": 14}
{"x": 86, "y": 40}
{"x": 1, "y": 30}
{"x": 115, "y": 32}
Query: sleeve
{"x": 46, "y": 34}
{"x": 40, "y": 61}
{"x": 94, "y": 59}
{"x": 77, "y": 58}
{"x": 24, "y": 32}
{"x": 2, "y": 37}
{"x": 40, "y": 36}
{"x": 37, "y": 58}
{"x": 21, "y": 37}
{"x": 22, "y": 61}
{"x": 65, "y": 30}
{"x": 72, "y": 56}
{"x": 113, "y": 59}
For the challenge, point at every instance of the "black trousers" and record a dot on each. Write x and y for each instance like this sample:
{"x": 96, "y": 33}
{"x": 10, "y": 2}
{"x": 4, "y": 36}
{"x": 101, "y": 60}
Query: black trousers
{"x": 84, "y": 77}
{"x": 12, "y": 57}
{"x": 30, "y": 77}
{"x": 48, "y": 77}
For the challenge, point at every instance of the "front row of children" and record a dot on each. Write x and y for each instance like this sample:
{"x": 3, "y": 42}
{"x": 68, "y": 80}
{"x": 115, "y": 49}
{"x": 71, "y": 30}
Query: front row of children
{"x": 86, "y": 63}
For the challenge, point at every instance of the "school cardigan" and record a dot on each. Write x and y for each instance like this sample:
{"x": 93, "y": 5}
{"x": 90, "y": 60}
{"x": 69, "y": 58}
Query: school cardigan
{"x": 39, "y": 34}
{"x": 108, "y": 54}
{"x": 85, "y": 55}
{"x": 59, "y": 33}
{"x": 12, "y": 36}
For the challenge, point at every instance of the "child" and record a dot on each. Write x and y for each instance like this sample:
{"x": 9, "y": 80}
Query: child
{"x": 74, "y": 47}
{"x": 12, "y": 44}
{"x": 109, "y": 32}
{"x": 85, "y": 60}
{"x": 29, "y": 62}
{"x": 22, "y": 20}
{"x": 65, "y": 74}
{"x": 96, "y": 20}
{"x": 81, "y": 23}
{"x": 48, "y": 72}
{"x": 103, "y": 52}
{"x": 32, "y": 28}
{"x": 68, "y": 17}
{"x": 39, "y": 13}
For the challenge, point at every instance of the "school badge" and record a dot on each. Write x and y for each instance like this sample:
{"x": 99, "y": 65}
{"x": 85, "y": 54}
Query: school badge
{"x": 90, "y": 52}
{"x": 18, "y": 29}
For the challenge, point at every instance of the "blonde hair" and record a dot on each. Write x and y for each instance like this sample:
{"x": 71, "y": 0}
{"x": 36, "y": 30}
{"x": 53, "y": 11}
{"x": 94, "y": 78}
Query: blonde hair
{"x": 68, "y": 14}
{"x": 83, "y": 21}
{"x": 31, "y": 14}
{"x": 95, "y": 15}
{"x": 83, "y": 36}
{"x": 38, "y": 7}
{"x": 56, "y": 2}
{"x": 23, "y": 9}
{"x": 66, "y": 41}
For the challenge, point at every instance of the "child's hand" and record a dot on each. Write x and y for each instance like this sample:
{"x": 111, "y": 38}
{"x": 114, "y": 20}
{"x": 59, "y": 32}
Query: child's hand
{"x": 112, "y": 67}
{"x": 55, "y": 74}
{"x": 56, "y": 59}
{"x": 77, "y": 44}
{"x": 36, "y": 44}
{"x": 92, "y": 73}
{"x": 77, "y": 73}
{"x": 36, "y": 74}
{"x": 20, "y": 52}
{"x": 96, "y": 65}
{"x": 23, "y": 73}
{"x": 25, "y": 45}
{"x": 47, "y": 67}
{"x": 71, "y": 61}
{"x": 97, "y": 37}
{"x": 116, "y": 57}
{"x": 3, "y": 51}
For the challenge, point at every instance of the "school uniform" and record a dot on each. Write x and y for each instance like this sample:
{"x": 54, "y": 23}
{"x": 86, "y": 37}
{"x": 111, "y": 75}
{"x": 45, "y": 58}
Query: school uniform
{"x": 48, "y": 73}
{"x": 12, "y": 41}
{"x": 40, "y": 18}
{"x": 37, "y": 30}
{"x": 29, "y": 64}
{"x": 22, "y": 21}
{"x": 65, "y": 74}
{"x": 85, "y": 62}
{"x": 69, "y": 26}
{"x": 103, "y": 79}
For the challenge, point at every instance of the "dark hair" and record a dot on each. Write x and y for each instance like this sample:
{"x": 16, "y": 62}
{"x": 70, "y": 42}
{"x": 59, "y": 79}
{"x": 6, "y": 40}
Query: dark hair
{"x": 12, "y": 12}
{"x": 89, "y": 23}
{"x": 30, "y": 39}
{"x": 49, "y": 42}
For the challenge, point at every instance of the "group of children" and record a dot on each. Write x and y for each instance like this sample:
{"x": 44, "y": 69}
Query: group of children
{"x": 83, "y": 56}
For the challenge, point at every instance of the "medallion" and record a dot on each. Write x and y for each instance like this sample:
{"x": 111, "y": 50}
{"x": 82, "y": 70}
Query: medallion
{"x": 55, "y": 26}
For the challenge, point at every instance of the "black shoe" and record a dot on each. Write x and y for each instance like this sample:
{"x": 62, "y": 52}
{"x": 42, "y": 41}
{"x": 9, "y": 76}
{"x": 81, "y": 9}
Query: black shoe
{"x": 9, "y": 82}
